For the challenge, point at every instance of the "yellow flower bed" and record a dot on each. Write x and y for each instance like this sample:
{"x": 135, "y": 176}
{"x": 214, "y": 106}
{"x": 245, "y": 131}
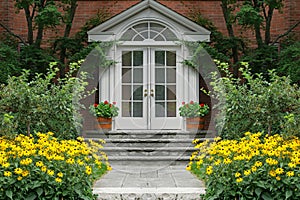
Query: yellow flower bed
{"x": 49, "y": 168}
{"x": 253, "y": 167}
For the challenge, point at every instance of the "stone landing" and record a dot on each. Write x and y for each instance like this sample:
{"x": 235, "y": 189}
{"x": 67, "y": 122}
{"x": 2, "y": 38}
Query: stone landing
{"x": 149, "y": 183}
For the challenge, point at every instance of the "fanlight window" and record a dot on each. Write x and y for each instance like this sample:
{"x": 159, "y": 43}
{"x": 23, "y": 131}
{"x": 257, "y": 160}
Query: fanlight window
{"x": 148, "y": 31}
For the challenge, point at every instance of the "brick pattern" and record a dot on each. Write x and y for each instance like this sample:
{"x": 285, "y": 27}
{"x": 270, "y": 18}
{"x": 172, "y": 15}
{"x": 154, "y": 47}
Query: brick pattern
{"x": 209, "y": 8}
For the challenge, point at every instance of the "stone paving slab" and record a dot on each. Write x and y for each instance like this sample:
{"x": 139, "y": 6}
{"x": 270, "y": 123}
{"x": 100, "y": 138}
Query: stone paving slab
{"x": 149, "y": 183}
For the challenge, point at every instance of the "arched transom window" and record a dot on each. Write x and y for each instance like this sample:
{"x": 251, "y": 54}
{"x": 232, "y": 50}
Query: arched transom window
{"x": 148, "y": 31}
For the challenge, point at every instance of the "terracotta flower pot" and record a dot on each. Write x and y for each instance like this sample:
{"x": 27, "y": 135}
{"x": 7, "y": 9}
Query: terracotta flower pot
{"x": 195, "y": 123}
{"x": 104, "y": 123}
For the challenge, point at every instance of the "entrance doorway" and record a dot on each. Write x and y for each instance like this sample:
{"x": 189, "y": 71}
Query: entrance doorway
{"x": 148, "y": 88}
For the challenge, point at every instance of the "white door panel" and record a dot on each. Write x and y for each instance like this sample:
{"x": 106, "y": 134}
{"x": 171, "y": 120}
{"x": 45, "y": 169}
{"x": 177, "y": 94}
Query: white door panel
{"x": 148, "y": 96}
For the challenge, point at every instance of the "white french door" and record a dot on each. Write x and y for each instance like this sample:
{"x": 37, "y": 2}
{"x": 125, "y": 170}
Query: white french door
{"x": 148, "y": 89}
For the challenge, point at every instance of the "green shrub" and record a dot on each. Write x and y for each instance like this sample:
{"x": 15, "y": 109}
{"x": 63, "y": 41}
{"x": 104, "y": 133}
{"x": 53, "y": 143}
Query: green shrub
{"x": 254, "y": 103}
{"x": 9, "y": 62}
{"x": 41, "y": 104}
{"x": 253, "y": 167}
{"x": 289, "y": 62}
{"x": 47, "y": 168}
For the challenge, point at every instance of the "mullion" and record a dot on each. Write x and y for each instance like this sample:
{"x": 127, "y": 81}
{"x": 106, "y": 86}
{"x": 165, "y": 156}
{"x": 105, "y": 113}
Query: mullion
{"x": 132, "y": 60}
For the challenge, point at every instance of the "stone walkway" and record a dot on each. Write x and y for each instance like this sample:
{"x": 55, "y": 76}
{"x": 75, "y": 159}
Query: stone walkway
{"x": 149, "y": 183}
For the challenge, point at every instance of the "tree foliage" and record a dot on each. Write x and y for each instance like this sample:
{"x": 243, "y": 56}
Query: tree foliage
{"x": 9, "y": 64}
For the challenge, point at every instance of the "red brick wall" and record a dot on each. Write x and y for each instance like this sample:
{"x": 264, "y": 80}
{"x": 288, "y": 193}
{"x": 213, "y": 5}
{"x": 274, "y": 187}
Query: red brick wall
{"x": 209, "y": 8}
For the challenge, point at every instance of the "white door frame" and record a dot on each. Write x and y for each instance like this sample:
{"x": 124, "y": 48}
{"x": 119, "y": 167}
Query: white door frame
{"x": 148, "y": 121}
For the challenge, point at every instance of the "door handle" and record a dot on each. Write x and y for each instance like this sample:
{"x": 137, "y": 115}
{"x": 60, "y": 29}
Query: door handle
{"x": 145, "y": 92}
{"x": 152, "y": 93}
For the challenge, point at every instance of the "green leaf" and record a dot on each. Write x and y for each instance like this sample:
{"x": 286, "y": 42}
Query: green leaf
{"x": 9, "y": 193}
{"x": 258, "y": 191}
{"x": 288, "y": 194}
{"x": 39, "y": 191}
{"x": 267, "y": 196}
{"x": 32, "y": 196}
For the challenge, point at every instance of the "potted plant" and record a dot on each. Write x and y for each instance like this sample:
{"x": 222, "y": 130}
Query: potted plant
{"x": 104, "y": 111}
{"x": 194, "y": 114}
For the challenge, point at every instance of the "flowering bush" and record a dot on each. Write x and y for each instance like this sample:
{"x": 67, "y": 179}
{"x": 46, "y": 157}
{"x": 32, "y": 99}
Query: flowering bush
{"x": 105, "y": 109}
{"x": 193, "y": 109}
{"x": 253, "y": 167}
{"x": 48, "y": 168}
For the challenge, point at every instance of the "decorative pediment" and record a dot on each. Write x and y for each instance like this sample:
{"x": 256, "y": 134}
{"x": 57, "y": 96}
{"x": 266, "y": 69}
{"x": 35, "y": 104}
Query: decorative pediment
{"x": 149, "y": 21}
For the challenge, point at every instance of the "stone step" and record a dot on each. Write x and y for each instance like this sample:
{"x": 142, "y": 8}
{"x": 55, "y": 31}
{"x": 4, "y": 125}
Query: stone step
{"x": 148, "y": 158}
{"x": 148, "y": 134}
{"x": 157, "y": 193}
{"x": 149, "y": 140}
{"x": 148, "y": 151}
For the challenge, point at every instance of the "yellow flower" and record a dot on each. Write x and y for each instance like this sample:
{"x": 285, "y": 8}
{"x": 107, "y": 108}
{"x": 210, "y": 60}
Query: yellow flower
{"x": 238, "y": 174}
{"x": 272, "y": 173}
{"x": 18, "y": 171}
{"x": 290, "y": 173}
{"x": 292, "y": 165}
{"x": 278, "y": 178}
{"x": 109, "y": 168}
{"x": 60, "y": 174}
{"x": 50, "y": 133}
{"x": 227, "y": 161}
{"x": 50, "y": 172}
{"x": 209, "y": 170}
{"x": 188, "y": 168}
{"x": 44, "y": 169}
{"x": 39, "y": 164}
{"x": 247, "y": 172}
{"x": 258, "y": 164}
{"x": 70, "y": 161}
{"x": 279, "y": 171}
{"x": 217, "y": 162}
{"x": 88, "y": 170}
{"x": 239, "y": 180}
{"x": 7, "y": 173}
{"x": 253, "y": 168}
{"x": 59, "y": 180}
{"x": 25, "y": 173}
{"x": 19, "y": 178}
{"x": 6, "y": 165}
{"x": 80, "y": 139}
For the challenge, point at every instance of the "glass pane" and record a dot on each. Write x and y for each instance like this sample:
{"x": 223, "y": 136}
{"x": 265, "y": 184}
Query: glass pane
{"x": 126, "y": 58}
{"x": 145, "y": 34}
{"x": 159, "y": 75}
{"x": 159, "y": 92}
{"x": 141, "y": 27}
{"x": 171, "y": 58}
{"x": 160, "y": 109}
{"x": 171, "y": 75}
{"x": 153, "y": 34}
{"x": 159, "y": 58}
{"x": 137, "y": 38}
{"x": 137, "y": 58}
{"x": 171, "y": 109}
{"x": 169, "y": 35}
{"x": 126, "y": 109}
{"x": 137, "y": 109}
{"x": 126, "y": 92}
{"x": 159, "y": 38}
{"x": 138, "y": 75}
{"x": 171, "y": 92}
{"x": 156, "y": 27}
{"x": 138, "y": 92}
{"x": 127, "y": 36}
{"x": 126, "y": 75}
